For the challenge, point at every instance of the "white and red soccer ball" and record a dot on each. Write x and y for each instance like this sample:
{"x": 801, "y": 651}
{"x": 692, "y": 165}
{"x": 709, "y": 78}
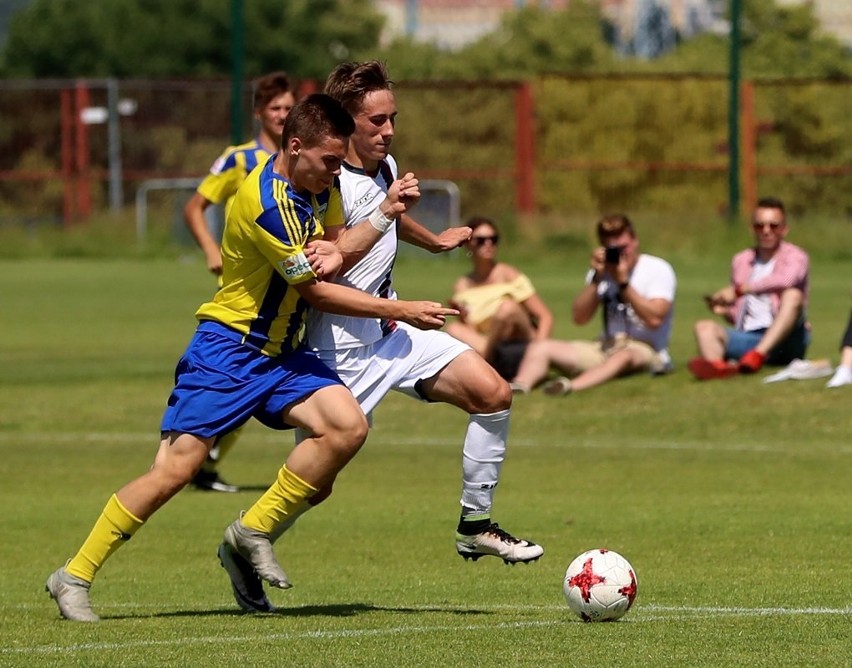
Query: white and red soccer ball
{"x": 600, "y": 586}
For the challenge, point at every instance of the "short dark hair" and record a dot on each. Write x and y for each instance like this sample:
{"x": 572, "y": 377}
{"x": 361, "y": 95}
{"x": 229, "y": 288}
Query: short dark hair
{"x": 270, "y": 86}
{"x": 614, "y": 225}
{"x": 771, "y": 203}
{"x": 316, "y": 117}
{"x": 349, "y": 83}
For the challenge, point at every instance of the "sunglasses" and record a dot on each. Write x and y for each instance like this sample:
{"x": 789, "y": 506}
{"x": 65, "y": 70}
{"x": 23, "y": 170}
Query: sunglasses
{"x": 757, "y": 225}
{"x": 481, "y": 241}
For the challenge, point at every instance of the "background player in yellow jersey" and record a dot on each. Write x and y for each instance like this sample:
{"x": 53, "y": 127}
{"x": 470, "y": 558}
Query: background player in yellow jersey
{"x": 273, "y": 99}
{"x": 248, "y": 358}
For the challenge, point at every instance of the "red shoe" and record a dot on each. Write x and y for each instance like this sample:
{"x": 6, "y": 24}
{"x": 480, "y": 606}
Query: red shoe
{"x": 704, "y": 369}
{"x": 752, "y": 361}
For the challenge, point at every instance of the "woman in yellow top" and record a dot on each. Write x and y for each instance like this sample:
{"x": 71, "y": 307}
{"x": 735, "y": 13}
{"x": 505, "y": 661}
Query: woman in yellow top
{"x": 500, "y": 309}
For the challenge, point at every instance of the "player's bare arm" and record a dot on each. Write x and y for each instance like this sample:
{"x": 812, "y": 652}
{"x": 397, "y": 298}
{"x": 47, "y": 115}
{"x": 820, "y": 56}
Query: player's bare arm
{"x": 341, "y": 300}
{"x": 356, "y": 241}
{"x": 325, "y": 259}
{"x": 412, "y": 232}
{"x": 193, "y": 214}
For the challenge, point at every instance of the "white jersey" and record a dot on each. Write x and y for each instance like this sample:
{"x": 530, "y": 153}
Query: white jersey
{"x": 652, "y": 278}
{"x": 361, "y": 194}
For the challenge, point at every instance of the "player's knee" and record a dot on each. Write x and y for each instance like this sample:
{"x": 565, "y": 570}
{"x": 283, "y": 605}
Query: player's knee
{"x": 349, "y": 434}
{"x": 177, "y": 462}
{"x": 494, "y": 394}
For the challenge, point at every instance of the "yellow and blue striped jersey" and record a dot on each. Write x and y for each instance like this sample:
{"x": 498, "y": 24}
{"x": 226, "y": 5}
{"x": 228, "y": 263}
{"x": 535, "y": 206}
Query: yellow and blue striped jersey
{"x": 263, "y": 257}
{"x": 230, "y": 170}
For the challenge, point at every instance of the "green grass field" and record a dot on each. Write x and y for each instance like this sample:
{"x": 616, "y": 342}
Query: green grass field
{"x": 731, "y": 499}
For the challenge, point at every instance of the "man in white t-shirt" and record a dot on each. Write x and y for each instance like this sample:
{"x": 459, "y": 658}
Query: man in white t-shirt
{"x": 635, "y": 293}
{"x": 373, "y": 357}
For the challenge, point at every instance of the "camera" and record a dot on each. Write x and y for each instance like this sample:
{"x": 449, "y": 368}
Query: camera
{"x": 612, "y": 254}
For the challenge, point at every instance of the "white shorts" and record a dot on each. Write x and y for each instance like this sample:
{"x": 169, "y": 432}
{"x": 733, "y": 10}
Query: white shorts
{"x": 395, "y": 362}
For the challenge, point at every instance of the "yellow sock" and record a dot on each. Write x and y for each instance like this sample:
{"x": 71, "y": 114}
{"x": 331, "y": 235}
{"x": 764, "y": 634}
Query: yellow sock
{"x": 114, "y": 527}
{"x": 286, "y": 498}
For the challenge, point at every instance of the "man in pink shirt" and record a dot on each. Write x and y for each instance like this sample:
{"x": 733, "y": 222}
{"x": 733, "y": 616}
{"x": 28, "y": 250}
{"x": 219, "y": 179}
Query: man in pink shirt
{"x": 764, "y": 304}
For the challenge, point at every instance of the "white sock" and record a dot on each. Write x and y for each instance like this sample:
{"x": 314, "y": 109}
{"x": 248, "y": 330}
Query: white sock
{"x": 482, "y": 458}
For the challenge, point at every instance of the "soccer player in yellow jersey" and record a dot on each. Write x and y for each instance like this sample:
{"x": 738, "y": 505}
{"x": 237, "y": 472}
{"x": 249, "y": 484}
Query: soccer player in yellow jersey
{"x": 273, "y": 99}
{"x": 248, "y": 358}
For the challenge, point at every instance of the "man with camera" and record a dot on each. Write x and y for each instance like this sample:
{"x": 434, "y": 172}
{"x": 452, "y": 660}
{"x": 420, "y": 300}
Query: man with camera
{"x": 636, "y": 294}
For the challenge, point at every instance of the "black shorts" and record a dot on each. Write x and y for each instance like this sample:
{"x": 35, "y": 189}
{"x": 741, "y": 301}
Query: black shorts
{"x": 507, "y": 358}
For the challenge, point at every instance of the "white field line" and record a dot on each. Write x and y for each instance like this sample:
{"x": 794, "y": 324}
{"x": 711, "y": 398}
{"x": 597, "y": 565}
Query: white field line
{"x": 648, "y": 613}
{"x": 285, "y": 439}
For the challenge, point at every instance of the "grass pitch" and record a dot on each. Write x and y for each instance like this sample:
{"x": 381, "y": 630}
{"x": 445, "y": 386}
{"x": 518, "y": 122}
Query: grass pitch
{"x": 731, "y": 499}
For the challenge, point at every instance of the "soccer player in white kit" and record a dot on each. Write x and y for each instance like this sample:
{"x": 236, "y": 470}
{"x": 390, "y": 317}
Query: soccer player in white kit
{"x": 374, "y": 356}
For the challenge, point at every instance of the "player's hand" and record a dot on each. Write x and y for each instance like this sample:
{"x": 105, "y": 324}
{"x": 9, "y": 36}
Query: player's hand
{"x": 425, "y": 315}
{"x": 453, "y": 237}
{"x": 214, "y": 261}
{"x": 403, "y": 194}
{"x": 324, "y": 258}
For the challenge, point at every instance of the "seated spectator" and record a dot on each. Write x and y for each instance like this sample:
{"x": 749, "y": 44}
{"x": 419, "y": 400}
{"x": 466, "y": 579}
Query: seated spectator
{"x": 500, "y": 311}
{"x": 764, "y": 304}
{"x": 843, "y": 374}
{"x": 636, "y": 292}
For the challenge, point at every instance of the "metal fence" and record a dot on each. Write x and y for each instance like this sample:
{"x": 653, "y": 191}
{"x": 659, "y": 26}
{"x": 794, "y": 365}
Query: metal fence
{"x": 555, "y": 145}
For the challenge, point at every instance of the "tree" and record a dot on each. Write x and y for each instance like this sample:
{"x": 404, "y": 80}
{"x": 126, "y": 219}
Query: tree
{"x": 180, "y": 38}
{"x": 777, "y": 41}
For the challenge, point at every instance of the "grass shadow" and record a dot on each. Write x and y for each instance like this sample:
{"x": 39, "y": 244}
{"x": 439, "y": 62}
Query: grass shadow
{"x": 330, "y": 610}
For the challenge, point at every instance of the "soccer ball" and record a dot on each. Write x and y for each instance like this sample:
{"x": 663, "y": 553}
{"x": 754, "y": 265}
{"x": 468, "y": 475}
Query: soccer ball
{"x": 600, "y": 586}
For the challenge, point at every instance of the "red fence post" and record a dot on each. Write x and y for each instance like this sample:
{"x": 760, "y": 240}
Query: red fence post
{"x": 524, "y": 149}
{"x": 66, "y": 105}
{"x": 81, "y": 158}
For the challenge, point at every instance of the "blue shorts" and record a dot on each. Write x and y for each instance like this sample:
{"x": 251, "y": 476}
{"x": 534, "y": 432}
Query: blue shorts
{"x": 221, "y": 382}
{"x": 793, "y": 347}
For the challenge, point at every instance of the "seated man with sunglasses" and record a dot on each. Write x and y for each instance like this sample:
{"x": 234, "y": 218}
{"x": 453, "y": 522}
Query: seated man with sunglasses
{"x": 764, "y": 304}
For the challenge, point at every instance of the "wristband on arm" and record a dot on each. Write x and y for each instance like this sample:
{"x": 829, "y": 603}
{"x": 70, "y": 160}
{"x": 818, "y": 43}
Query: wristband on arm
{"x": 380, "y": 221}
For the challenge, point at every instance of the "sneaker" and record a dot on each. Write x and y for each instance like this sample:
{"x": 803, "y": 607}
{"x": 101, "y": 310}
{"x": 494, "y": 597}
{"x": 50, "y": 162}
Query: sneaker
{"x": 518, "y": 388}
{"x": 256, "y": 548}
{"x": 802, "y": 370}
{"x": 245, "y": 583}
{"x": 210, "y": 481}
{"x": 841, "y": 377}
{"x": 498, "y": 543}
{"x": 752, "y": 361}
{"x": 704, "y": 369}
{"x": 811, "y": 369}
{"x": 71, "y": 595}
{"x": 557, "y": 387}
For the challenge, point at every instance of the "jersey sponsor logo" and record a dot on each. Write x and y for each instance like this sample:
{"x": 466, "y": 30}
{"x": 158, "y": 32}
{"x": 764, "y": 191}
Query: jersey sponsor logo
{"x": 218, "y": 165}
{"x": 296, "y": 266}
{"x": 363, "y": 200}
